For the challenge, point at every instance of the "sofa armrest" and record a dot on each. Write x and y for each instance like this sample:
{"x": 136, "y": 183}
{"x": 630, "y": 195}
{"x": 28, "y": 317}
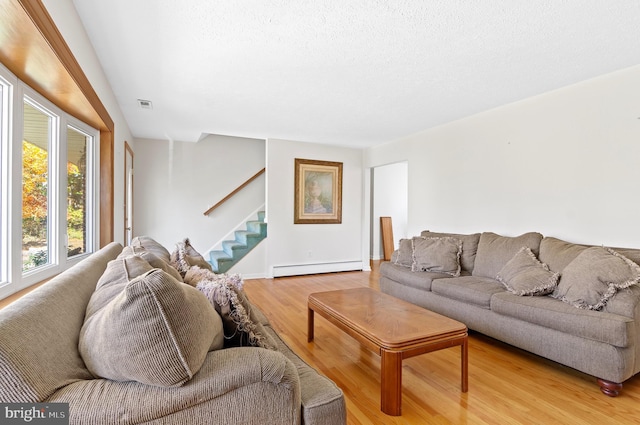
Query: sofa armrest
{"x": 234, "y": 385}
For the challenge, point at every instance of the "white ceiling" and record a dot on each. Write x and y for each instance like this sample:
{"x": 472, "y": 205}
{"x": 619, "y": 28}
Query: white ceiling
{"x": 347, "y": 72}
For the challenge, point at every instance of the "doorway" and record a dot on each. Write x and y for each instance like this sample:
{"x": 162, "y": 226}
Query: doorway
{"x": 128, "y": 194}
{"x": 389, "y": 199}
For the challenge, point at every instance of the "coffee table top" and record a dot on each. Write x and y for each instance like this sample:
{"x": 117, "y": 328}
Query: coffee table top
{"x": 385, "y": 320}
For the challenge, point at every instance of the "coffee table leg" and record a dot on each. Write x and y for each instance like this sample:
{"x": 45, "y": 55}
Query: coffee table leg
{"x": 391, "y": 383}
{"x": 309, "y": 325}
{"x": 465, "y": 365}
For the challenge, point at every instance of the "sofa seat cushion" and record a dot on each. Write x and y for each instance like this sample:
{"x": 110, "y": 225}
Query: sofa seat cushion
{"x": 234, "y": 386}
{"x": 494, "y": 251}
{"x": 469, "y": 289}
{"x": 418, "y": 280}
{"x": 552, "y": 313}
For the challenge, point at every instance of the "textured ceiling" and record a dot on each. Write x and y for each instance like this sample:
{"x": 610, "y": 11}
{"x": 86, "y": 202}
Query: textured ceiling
{"x": 348, "y": 72}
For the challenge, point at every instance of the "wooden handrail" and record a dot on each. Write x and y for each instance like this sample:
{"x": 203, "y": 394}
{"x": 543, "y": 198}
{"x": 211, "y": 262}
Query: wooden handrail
{"x": 238, "y": 189}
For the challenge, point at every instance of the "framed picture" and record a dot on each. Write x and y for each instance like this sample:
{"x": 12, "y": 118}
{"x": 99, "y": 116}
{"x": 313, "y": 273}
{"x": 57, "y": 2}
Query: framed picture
{"x": 318, "y": 192}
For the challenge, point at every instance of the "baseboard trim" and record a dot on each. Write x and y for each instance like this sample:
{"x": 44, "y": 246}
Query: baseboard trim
{"x": 302, "y": 269}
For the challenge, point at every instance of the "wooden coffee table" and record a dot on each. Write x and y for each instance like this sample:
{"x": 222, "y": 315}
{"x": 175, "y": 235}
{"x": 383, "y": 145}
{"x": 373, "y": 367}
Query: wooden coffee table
{"x": 392, "y": 328}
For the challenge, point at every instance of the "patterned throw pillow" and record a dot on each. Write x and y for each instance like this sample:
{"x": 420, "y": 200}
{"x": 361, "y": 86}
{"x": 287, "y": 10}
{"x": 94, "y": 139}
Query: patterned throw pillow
{"x": 524, "y": 274}
{"x": 226, "y": 295}
{"x": 185, "y": 256}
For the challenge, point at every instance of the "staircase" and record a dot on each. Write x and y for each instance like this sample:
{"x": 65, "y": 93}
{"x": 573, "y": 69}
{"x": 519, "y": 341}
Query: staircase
{"x": 233, "y": 250}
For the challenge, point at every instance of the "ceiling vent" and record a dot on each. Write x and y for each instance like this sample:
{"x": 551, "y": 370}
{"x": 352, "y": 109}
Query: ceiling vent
{"x": 145, "y": 104}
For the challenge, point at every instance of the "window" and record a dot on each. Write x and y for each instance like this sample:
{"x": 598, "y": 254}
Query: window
{"x": 49, "y": 180}
{"x": 37, "y": 172}
{"x": 79, "y": 198}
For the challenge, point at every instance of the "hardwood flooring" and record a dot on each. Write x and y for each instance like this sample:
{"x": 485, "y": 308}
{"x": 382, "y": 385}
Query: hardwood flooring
{"x": 506, "y": 385}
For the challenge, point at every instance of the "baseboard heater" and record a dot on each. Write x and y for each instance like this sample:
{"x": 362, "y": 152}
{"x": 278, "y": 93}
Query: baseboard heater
{"x": 301, "y": 269}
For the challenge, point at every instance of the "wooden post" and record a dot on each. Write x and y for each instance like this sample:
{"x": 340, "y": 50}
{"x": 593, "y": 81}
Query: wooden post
{"x": 387, "y": 237}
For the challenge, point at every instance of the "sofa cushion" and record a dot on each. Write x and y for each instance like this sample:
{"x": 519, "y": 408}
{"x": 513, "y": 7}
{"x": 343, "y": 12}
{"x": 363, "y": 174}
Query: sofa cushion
{"x": 469, "y": 246}
{"x": 421, "y": 280}
{"x": 225, "y": 294}
{"x": 441, "y": 255}
{"x": 39, "y": 332}
{"x": 469, "y": 289}
{"x": 554, "y": 314}
{"x": 152, "y": 246}
{"x": 494, "y": 251}
{"x": 595, "y": 276}
{"x": 322, "y": 401}
{"x": 557, "y": 253}
{"x": 154, "y": 329}
{"x": 524, "y": 274}
{"x": 185, "y": 256}
{"x": 152, "y": 258}
{"x": 404, "y": 254}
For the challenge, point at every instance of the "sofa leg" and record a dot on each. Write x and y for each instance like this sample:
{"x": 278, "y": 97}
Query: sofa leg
{"x": 612, "y": 389}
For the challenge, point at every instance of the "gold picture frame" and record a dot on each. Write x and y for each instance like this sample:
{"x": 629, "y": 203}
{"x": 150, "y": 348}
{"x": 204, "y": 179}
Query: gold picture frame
{"x": 318, "y": 192}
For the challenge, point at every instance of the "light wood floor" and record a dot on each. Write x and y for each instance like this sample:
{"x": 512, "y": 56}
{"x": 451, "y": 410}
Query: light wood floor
{"x": 506, "y": 385}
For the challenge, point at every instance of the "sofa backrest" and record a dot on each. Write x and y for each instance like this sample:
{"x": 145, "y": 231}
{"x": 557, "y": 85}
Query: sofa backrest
{"x": 39, "y": 332}
{"x": 494, "y": 251}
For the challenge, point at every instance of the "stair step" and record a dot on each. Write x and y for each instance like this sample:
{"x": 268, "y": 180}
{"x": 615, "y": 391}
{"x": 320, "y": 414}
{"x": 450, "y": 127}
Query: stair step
{"x": 220, "y": 261}
{"x": 248, "y": 238}
{"x": 233, "y": 250}
{"x": 259, "y": 227}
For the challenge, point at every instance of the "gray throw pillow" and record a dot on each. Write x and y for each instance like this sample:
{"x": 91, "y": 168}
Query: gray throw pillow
{"x": 156, "y": 330}
{"x": 404, "y": 254}
{"x": 441, "y": 255}
{"x": 594, "y": 276}
{"x": 469, "y": 246}
{"x": 524, "y": 274}
{"x": 494, "y": 251}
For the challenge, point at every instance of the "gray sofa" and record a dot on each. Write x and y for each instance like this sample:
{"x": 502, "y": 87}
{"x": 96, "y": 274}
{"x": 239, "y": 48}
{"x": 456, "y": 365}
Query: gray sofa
{"x": 54, "y": 337}
{"x": 581, "y": 308}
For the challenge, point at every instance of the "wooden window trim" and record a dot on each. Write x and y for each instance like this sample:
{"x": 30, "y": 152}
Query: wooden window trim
{"x": 34, "y": 50}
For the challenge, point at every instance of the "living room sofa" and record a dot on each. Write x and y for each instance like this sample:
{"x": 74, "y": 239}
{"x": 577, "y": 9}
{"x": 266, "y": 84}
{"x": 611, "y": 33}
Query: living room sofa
{"x": 151, "y": 348}
{"x": 578, "y": 305}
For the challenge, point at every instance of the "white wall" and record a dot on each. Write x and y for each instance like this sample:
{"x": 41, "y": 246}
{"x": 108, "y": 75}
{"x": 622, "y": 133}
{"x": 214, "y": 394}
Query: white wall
{"x": 306, "y": 248}
{"x": 565, "y": 164}
{"x": 176, "y": 182}
{"x": 390, "y": 199}
{"x": 66, "y": 19}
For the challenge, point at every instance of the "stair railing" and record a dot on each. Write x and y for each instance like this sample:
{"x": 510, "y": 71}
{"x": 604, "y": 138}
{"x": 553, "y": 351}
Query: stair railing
{"x": 238, "y": 189}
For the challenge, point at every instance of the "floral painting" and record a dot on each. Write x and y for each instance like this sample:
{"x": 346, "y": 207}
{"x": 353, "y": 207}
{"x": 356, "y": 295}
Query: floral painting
{"x": 318, "y": 192}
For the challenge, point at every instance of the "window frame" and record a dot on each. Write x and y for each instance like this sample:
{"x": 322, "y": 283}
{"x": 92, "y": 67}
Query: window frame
{"x": 12, "y": 277}
{"x": 8, "y": 81}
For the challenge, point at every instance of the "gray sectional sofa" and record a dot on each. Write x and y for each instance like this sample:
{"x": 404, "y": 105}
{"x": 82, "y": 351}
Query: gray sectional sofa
{"x": 123, "y": 340}
{"x": 577, "y": 305}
